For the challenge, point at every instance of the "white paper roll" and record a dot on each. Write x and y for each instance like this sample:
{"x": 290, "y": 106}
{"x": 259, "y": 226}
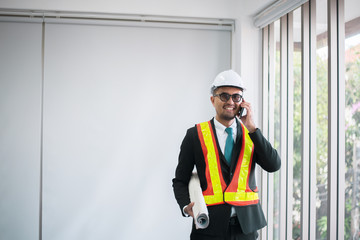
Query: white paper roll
{"x": 201, "y": 215}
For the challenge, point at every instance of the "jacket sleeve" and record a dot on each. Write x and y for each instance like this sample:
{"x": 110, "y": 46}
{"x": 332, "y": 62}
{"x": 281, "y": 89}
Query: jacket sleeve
{"x": 184, "y": 170}
{"x": 266, "y": 156}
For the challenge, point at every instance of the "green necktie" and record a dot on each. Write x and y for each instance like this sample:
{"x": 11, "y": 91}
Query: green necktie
{"x": 229, "y": 144}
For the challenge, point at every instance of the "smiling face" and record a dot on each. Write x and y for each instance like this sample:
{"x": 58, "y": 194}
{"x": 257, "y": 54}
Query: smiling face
{"x": 226, "y": 111}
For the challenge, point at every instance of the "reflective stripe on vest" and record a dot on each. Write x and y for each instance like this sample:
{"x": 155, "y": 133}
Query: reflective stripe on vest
{"x": 215, "y": 182}
{"x": 238, "y": 192}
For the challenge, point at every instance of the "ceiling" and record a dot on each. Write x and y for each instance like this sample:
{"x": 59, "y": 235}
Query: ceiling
{"x": 253, "y": 7}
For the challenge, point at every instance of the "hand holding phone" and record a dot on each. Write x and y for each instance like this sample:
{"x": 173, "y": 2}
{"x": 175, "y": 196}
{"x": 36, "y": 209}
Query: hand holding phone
{"x": 247, "y": 118}
{"x": 241, "y": 111}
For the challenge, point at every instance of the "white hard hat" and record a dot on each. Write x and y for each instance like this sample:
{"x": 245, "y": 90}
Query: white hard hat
{"x": 228, "y": 78}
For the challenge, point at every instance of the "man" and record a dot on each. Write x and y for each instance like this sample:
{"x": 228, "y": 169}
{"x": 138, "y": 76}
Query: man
{"x": 225, "y": 152}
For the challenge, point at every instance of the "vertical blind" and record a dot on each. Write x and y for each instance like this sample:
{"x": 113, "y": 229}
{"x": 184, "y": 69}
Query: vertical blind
{"x": 117, "y": 101}
{"x": 20, "y": 124}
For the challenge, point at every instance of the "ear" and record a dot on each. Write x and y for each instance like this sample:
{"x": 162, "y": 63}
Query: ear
{"x": 212, "y": 99}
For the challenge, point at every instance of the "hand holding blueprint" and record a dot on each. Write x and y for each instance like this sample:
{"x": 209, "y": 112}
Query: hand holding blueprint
{"x": 201, "y": 215}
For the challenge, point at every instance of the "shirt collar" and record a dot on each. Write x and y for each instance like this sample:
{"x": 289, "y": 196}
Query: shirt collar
{"x": 221, "y": 128}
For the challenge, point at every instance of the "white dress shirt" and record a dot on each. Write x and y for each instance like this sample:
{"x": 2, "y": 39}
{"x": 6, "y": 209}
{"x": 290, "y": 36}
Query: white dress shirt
{"x": 222, "y": 134}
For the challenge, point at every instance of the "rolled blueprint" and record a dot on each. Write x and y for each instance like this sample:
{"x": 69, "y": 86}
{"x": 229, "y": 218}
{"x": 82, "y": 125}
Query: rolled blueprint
{"x": 201, "y": 214}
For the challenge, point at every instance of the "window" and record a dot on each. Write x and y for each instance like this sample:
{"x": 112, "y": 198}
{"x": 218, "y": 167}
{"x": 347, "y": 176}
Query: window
{"x": 319, "y": 142}
{"x": 321, "y": 119}
{"x": 352, "y": 121}
{"x": 297, "y": 56}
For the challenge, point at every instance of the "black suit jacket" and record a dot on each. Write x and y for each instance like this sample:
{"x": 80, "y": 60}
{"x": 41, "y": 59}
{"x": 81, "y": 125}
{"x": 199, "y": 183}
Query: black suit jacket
{"x": 251, "y": 218}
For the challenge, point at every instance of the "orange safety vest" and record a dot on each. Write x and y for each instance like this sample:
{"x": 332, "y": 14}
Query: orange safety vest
{"x": 238, "y": 192}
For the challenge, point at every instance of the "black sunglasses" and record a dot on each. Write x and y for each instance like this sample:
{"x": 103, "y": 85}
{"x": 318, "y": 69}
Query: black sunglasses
{"x": 225, "y": 97}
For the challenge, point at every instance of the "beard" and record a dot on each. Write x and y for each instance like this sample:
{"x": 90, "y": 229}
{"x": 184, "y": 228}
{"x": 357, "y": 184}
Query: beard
{"x": 226, "y": 112}
{"x": 227, "y": 117}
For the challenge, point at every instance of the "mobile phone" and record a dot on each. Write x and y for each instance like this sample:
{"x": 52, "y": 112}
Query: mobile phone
{"x": 241, "y": 111}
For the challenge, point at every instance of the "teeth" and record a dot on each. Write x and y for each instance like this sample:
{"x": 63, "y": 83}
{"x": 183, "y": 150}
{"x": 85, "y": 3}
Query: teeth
{"x": 229, "y": 107}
